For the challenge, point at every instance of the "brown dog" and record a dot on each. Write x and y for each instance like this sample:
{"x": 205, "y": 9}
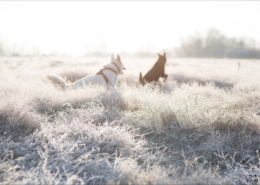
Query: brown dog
{"x": 156, "y": 72}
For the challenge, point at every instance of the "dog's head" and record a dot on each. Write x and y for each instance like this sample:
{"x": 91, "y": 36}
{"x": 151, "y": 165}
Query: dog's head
{"x": 118, "y": 62}
{"x": 162, "y": 58}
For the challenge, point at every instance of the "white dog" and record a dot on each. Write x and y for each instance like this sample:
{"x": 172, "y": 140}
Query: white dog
{"x": 108, "y": 76}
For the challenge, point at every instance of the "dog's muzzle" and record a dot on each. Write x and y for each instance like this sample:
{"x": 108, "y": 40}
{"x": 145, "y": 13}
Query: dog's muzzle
{"x": 123, "y": 68}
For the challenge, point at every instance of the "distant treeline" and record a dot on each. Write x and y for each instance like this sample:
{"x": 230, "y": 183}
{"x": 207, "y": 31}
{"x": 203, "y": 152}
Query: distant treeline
{"x": 217, "y": 45}
{"x": 213, "y": 44}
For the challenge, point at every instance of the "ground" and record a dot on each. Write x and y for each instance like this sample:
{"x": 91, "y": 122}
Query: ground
{"x": 199, "y": 127}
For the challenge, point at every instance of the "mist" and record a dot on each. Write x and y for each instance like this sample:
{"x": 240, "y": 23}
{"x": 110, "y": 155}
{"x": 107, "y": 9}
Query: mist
{"x": 132, "y": 28}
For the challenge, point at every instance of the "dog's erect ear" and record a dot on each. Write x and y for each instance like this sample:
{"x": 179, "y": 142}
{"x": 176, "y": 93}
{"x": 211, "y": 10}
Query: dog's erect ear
{"x": 112, "y": 57}
{"x": 164, "y": 54}
{"x": 118, "y": 58}
{"x": 159, "y": 54}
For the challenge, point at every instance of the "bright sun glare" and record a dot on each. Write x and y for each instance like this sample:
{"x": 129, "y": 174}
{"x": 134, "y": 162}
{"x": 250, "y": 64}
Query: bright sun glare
{"x": 78, "y": 27}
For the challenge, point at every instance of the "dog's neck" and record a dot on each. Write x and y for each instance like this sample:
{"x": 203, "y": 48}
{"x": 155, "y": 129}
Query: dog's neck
{"x": 113, "y": 65}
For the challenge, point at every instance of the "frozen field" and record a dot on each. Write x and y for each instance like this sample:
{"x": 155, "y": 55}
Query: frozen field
{"x": 200, "y": 127}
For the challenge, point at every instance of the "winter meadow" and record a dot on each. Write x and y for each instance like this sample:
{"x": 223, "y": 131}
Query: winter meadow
{"x": 199, "y": 127}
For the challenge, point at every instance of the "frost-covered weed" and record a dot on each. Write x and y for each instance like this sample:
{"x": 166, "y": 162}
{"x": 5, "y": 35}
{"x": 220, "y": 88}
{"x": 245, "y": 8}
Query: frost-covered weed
{"x": 200, "y": 127}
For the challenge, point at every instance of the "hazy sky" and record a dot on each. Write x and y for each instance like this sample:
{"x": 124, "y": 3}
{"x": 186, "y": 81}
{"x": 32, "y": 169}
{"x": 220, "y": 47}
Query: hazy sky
{"x": 74, "y": 27}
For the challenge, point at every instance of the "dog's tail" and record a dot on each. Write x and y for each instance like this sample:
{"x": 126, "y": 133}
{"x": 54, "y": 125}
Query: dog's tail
{"x": 141, "y": 80}
{"x": 57, "y": 81}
